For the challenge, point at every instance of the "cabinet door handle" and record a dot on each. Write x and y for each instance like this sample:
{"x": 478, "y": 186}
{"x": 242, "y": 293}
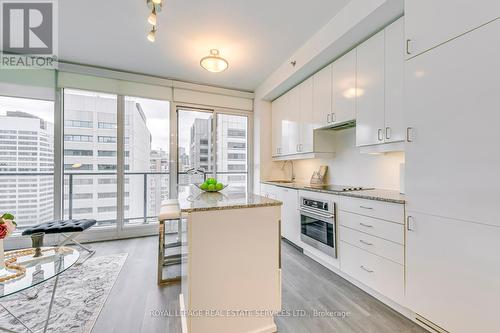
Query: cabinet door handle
{"x": 380, "y": 137}
{"x": 410, "y": 223}
{"x": 366, "y": 269}
{"x": 334, "y": 118}
{"x": 365, "y": 242}
{"x": 328, "y": 118}
{"x": 387, "y": 133}
{"x": 364, "y": 207}
{"x": 409, "y": 132}
{"x": 408, "y": 44}
{"x": 365, "y": 225}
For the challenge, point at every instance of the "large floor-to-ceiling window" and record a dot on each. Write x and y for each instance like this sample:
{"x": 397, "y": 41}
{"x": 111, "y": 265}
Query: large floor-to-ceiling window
{"x": 215, "y": 142}
{"x": 89, "y": 148}
{"x": 118, "y": 177}
{"x": 27, "y": 159}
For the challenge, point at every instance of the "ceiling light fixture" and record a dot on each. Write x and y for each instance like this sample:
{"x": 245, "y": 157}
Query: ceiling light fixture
{"x": 155, "y": 6}
{"x": 214, "y": 62}
{"x": 152, "y": 34}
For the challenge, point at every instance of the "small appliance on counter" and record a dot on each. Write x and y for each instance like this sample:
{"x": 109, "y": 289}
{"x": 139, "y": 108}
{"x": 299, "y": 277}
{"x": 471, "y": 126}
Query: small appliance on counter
{"x": 319, "y": 177}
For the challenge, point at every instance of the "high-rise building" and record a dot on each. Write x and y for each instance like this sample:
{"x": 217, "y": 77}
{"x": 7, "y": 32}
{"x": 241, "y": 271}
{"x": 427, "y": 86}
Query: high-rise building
{"x": 90, "y": 146}
{"x": 26, "y": 148}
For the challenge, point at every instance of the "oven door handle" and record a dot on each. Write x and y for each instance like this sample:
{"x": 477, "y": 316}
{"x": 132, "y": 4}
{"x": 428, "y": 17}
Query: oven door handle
{"x": 315, "y": 215}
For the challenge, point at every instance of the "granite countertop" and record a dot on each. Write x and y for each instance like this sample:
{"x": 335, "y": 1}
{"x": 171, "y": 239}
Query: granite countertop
{"x": 192, "y": 199}
{"x": 374, "y": 194}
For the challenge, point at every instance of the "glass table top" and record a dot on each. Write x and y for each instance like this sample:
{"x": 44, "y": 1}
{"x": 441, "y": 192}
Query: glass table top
{"x": 40, "y": 269}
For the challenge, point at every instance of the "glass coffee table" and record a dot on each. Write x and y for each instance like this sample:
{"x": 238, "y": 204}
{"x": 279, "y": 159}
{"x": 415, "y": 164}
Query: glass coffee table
{"x": 38, "y": 270}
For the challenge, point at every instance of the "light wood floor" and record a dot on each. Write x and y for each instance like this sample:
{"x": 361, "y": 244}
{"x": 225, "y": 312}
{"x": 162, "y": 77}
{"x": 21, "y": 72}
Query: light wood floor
{"x": 306, "y": 286}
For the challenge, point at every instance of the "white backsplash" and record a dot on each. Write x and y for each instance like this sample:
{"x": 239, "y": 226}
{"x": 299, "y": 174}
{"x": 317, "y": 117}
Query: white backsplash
{"x": 349, "y": 166}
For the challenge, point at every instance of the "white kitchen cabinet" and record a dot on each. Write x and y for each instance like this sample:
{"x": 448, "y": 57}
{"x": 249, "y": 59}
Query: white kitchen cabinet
{"x": 395, "y": 129}
{"x": 290, "y": 218}
{"x": 290, "y": 121}
{"x": 430, "y": 23}
{"x": 277, "y": 106}
{"x": 344, "y": 89}
{"x": 370, "y": 121}
{"x": 322, "y": 97}
{"x": 306, "y": 119}
{"x": 380, "y": 274}
{"x": 452, "y": 100}
{"x": 453, "y": 273}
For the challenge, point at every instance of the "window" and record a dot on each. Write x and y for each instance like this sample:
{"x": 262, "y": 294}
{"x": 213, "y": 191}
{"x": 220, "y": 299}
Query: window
{"x": 236, "y": 145}
{"x": 236, "y": 133}
{"x": 78, "y": 123}
{"x": 106, "y": 167}
{"x": 106, "y": 153}
{"x": 27, "y": 130}
{"x": 107, "y": 125}
{"x": 86, "y": 167}
{"x": 236, "y": 157}
{"x": 78, "y": 138}
{"x": 146, "y": 158}
{"x": 78, "y": 152}
{"x": 107, "y": 139}
{"x": 238, "y": 167}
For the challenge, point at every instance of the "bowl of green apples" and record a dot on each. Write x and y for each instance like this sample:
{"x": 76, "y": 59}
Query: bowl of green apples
{"x": 211, "y": 185}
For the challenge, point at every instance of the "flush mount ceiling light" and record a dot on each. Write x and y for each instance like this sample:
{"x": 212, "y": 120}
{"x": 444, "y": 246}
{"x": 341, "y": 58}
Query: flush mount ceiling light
{"x": 214, "y": 62}
{"x": 155, "y": 6}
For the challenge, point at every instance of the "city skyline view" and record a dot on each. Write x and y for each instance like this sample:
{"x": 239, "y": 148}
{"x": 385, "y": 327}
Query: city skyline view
{"x": 90, "y": 155}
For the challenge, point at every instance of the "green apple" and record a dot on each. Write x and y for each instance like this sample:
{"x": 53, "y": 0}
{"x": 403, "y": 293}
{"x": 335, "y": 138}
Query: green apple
{"x": 211, "y": 181}
{"x": 219, "y": 186}
{"x": 211, "y": 187}
{"x": 204, "y": 186}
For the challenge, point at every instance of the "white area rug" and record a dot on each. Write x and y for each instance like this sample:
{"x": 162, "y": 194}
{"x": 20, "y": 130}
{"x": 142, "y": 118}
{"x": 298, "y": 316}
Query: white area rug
{"x": 80, "y": 295}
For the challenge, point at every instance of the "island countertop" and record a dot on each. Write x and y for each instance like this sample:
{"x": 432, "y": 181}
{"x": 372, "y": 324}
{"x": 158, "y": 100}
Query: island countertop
{"x": 192, "y": 199}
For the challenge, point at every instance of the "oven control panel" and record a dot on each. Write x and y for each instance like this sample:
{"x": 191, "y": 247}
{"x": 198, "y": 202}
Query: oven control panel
{"x": 316, "y": 204}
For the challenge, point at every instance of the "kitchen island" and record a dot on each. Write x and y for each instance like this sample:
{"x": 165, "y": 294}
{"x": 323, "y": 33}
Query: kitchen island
{"x": 231, "y": 269}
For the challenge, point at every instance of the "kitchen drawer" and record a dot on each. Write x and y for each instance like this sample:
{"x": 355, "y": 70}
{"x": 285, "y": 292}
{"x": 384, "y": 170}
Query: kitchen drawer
{"x": 387, "y": 230}
{"x": 375, "y": 245}
{"x": 378, "y": 273}
{"x": 382, "y": 210}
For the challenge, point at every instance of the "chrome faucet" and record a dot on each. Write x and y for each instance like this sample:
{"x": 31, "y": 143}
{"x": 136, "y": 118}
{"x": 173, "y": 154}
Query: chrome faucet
{"x": 197, "y": 171}
{"x": 293, "y": 173}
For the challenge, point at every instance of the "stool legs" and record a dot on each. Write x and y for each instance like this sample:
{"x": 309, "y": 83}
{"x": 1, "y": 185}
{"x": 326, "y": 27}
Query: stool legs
{"x": 72, "y": 238}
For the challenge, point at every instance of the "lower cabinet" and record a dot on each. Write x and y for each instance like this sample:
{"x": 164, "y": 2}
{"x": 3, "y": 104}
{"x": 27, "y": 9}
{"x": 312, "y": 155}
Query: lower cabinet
{"x": 290, "y": 217}
{"x": 380, "y": 274}
{"x": 453, "y": 273}
{"x": 372, "y": 245}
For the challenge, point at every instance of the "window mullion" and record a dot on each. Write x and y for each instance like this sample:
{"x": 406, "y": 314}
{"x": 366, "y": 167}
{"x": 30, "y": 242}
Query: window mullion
{"x": 120, "y": 163}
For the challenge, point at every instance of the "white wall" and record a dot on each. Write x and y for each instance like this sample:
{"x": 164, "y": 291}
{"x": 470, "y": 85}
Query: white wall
{"x": 349, "y": 166}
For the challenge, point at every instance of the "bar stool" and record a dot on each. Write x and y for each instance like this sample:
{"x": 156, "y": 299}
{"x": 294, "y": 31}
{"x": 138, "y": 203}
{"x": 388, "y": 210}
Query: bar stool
{"x": 170, "y": 211}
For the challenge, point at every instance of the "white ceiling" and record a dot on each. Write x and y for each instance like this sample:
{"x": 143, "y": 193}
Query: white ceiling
{"x": 255, "y": 36}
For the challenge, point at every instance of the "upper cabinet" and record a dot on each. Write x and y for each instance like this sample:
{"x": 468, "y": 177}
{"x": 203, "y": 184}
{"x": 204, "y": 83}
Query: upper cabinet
{"x": 344, "y": 89}
{"x": 430, "y": 23}
{"x": 395, "y": 129}
{"x": 364, "y": 86}
{"x": 380, "y": 84}
{"x": 370, "y": 121}
{"x": 306, "y": 119}
{"x": 322, "y": 97}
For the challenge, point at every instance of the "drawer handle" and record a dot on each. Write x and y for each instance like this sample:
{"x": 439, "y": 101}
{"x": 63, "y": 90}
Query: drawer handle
{"x": 364, "y": 207}
{"x": 365, "y": 225}
{"x": 366, "y": 269}
{"x": 365, "y": 242}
